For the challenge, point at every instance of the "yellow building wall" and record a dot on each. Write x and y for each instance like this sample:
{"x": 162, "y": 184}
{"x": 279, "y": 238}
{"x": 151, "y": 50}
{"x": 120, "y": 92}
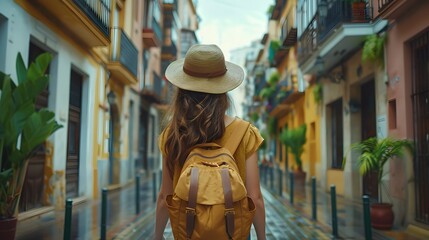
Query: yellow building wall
{"x": 312, "y": 120}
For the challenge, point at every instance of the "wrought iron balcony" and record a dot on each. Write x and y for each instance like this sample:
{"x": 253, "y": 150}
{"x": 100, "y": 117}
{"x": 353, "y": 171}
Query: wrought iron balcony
{"x": 187, "y": 39}
{"x": 339, "y": 12}
{"x": 384, "y": 4}
{"x": 393, "y": 9}
{"x": 152, "y": 35}
{"x": 169, "y": 52}
{"x": 124, "y": 57}
{"x": 87, "y": 20}
{"x": 308, "y": 41}
{"x": 153, "y": 90}
{"x": 288, "y": 35}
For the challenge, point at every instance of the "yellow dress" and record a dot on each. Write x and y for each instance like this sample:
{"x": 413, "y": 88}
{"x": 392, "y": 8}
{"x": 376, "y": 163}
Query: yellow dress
{"x": 249, "y": 144}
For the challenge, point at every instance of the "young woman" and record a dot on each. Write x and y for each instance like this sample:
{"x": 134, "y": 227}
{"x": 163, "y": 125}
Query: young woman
{"x": 198, "y": 115}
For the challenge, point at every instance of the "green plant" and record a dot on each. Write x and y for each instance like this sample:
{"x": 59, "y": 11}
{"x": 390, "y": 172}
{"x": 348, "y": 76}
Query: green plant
{"x": 22, "y": 127}
{"x": 272, "y": 126}
{"x": 274, "y": 78}
{"x": 254, "y": 117}
{"x": 294, "y": 139}
{"x": 373, "y": 49}
{"x": 267, "y": 92}
{"x": 318, "y": 93}
{"x": 375, "y": 152}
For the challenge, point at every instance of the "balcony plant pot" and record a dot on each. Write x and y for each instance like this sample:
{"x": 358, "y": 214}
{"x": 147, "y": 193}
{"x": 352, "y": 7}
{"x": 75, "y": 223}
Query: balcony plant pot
{"x": 382, "y": 216}
{"x": 374, "y": 153}
{"x": 22, "y": 130}
{"x": 358, "y": 11}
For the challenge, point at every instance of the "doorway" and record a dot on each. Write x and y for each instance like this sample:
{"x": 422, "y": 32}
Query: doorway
{"x": 368, "y": 130}
{"x": 74, "y": 132}
{"x": 33, "y": 187}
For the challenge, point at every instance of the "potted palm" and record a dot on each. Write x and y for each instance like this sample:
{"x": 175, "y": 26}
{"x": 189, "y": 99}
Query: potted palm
{"x": 22, "y": 130}
{"x": 374, "y": 154}
{"x": 294, "y": 139}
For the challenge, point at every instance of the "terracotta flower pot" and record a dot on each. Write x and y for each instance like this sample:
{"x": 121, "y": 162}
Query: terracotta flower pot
{"x": 8, "y": 228}
{"x": 358, "y": 12}
{"x": 382, "y": 216}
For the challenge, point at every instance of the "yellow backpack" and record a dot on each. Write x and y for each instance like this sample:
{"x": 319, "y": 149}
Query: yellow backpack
{"x": 210, "y": 200}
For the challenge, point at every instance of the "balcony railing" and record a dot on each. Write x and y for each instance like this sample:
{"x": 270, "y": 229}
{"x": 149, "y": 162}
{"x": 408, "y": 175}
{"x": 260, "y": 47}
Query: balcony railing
{"x": 169, "y": 51}
{"x": 289, "y": 30}
{"x": 157, "y": 84}
{"x": 152, "y": 34}
{"x": 173, "y": 2}
{"x": 308, "y": 40}
{"x": 340, "y": 11}
{"x": 98, "y": 11}
{"x": 124, "y": 51}
{"x": 384, "y": 4}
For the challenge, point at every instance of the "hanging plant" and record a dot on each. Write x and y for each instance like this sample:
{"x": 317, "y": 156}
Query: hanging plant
{"x": 274, "y": 78}
{"x": 318, "y": 93}
{"x": 373, "y": 49}
{"x": 267, "y": 92}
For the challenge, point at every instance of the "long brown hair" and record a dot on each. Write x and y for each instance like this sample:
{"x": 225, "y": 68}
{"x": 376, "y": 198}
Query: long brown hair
{"x": 194, "y": 118}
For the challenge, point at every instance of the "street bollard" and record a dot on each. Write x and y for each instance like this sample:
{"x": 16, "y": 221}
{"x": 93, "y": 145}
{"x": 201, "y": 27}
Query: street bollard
{"x": 68, "y": 219}
{"x": 137, "y": 194}
{"x": 291, "y": 187}
{"x": 154, "y": 185}
{"x": 103, "y": 227}
{"x": 280, "y": 182}
{"x": 314, "y": 199}
{"x": 272, "y": 178}
{"x": 367, "y": 218}
{"x": 334, "y": 211}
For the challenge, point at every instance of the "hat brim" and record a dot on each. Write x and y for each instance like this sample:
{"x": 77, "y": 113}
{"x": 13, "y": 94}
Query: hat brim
{"x": 233, "y": 77}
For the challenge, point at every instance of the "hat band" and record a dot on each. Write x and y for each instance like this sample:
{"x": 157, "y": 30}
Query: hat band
{"x": 204, "y": 75}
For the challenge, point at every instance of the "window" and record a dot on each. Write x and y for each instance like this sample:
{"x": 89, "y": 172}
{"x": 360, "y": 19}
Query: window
{"x": 336, "y": 127}
{"x": 3, "y": 42}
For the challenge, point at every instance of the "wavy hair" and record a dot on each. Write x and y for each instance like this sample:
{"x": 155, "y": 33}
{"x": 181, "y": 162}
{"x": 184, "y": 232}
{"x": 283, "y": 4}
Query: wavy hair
{"x": 195, "y": 118}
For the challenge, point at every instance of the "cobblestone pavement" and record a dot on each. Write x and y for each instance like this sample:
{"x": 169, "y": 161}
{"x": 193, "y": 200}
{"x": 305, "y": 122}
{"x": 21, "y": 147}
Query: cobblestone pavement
{"x": 282, "y": 222}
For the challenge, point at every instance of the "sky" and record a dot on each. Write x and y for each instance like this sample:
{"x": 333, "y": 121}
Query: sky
{"x": 231, "y": 24}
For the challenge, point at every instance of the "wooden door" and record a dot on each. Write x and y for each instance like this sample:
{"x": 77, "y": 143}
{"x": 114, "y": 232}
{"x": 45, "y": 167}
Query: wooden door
{"x": 369, "y": 129}
{"x": 420, "y": 97}
{"x": 73, "y": 142}
{"x": 33, "y": 187}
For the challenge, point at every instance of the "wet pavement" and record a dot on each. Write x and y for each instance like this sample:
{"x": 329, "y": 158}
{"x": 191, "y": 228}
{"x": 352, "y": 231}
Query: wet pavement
{"x": 283, "y": 220}
{"x": 87, "y": 216}
{"x": 349, "y": 212}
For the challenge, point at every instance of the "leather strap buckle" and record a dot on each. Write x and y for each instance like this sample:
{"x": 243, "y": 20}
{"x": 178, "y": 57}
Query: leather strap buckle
{"x": 190, "y": 210}
{"x": 229, "y": 211}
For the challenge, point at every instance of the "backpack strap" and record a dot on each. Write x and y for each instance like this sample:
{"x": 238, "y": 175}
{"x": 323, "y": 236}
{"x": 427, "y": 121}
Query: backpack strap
{"x": 236, "y": 136}
{"x": 192, "y": 203}
{"x": 229, "y": 205}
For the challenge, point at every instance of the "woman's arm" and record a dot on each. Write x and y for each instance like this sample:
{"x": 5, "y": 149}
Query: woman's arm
{"x": 254, "y": 192}
{"x": 161, "y": 208}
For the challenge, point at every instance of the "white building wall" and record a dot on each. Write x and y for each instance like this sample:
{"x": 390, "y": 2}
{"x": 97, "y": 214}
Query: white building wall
{"x": 20, "y": 28}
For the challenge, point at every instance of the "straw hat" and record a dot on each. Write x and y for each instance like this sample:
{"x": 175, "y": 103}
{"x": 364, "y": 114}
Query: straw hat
{"x": 204, "y": 69}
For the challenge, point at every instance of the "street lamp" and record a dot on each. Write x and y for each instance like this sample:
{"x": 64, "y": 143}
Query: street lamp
{"x": 323, "y": 9}
{"x": 111, "y": 97}
{"x": 334, "y": 76}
